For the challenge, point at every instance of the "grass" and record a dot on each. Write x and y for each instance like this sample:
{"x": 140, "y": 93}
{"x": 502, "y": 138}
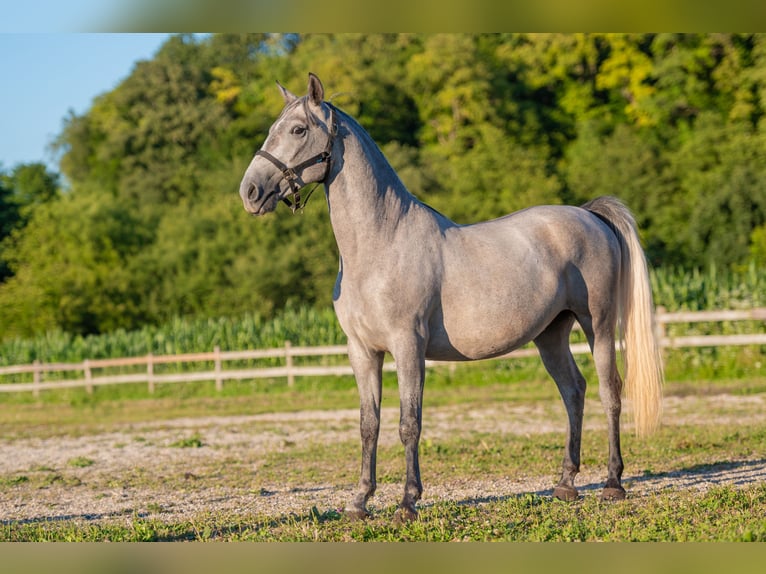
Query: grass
{"x": 80, "y": 462}
{"x": 194, "y": 441}
{"x": 530, "y": 518}
{"x": 720, "y": 514}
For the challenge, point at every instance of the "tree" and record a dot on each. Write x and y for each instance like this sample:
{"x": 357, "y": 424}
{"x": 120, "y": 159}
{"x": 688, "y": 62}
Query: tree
{"x": 625, "y": 162}
{"x": 721, "y": 173}
{"x": 26, "y": 188}
{"x": 149, "y": 140}
{"x": 68, "y": 270}
{"x": 9, "y": 209}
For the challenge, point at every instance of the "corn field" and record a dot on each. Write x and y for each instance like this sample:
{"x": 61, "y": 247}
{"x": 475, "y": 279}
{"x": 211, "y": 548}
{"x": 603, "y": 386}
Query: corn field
{"x": 683, "y": 290}
{"x": 301, "y": 326}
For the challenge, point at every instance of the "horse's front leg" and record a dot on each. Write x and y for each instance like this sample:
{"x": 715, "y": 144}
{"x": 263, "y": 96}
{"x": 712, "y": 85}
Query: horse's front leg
{"x": 367, "y": 366}
{"x": 410, "y": 370}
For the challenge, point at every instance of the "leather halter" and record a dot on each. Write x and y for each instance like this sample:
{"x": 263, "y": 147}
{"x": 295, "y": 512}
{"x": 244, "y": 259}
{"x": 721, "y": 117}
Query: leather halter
{"x": 292, "y": 174}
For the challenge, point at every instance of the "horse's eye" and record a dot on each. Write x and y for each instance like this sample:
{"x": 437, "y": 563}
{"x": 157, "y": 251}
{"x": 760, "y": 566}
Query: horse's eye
{"x": 298, "y": 130}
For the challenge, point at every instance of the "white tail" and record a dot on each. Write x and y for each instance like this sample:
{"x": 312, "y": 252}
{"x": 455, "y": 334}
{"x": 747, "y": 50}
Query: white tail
{"x": 643, "y": 360}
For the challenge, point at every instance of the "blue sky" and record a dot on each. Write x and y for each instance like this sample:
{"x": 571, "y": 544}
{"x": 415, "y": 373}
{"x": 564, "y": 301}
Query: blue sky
{"x": 47, "y": 74}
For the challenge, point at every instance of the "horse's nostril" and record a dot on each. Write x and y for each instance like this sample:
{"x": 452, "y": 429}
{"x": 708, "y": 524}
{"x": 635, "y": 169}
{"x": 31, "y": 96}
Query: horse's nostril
{"x": 252, "y": 192}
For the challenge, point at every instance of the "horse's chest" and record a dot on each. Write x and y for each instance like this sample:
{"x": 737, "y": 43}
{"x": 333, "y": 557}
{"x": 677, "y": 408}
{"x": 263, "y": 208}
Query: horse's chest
{"x": 371, "y": 308}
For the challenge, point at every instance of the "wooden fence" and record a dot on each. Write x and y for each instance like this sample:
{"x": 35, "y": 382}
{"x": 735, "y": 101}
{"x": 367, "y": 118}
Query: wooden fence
{"x": 91, "y": 368}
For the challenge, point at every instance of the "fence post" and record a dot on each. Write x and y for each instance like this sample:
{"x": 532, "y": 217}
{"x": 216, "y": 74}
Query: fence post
{"x": 88, "y": 376}
{"x": 659, "y": 325}
{"x": 36, "y": 377}
{"x": 289, "y": 364}
{"x": 660, "y": 331}
{"x": 150, "y": 372}
{"x": 218, "y": 379}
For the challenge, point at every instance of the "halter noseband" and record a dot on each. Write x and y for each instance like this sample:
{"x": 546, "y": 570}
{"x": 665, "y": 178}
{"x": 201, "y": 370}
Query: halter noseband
{"x": 291, "y": 174}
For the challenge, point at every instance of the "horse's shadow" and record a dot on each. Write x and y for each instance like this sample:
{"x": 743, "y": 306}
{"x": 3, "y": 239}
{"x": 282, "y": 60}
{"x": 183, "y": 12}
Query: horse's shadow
{"x": 737, "y": 473}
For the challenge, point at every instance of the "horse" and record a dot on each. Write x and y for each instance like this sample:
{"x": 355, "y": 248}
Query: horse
{"x": 416, "y": 285}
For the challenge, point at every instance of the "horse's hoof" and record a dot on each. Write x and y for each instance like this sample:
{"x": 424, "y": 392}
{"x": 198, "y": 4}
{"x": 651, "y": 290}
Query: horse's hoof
{"x": 356, "y": 513}
{"x": 405, "y": 515}
{"x": 566, "y": 493}
{"x": 613, "y": 493}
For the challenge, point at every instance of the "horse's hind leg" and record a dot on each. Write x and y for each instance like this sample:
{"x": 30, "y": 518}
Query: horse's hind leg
{"x": 367, "y": 366}
{"x": 601, "y": 339}
{"x": 553, "y": 344}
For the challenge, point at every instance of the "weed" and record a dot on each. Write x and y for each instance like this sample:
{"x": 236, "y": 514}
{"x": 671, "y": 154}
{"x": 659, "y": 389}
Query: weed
{"x": 80, "y": 462}
{"x": 194, "y": 441}
{"x": 13, "y": 480}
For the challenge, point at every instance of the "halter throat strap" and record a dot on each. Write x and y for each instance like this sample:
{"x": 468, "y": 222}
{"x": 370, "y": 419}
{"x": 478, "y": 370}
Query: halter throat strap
{"x": 292, "y": 174}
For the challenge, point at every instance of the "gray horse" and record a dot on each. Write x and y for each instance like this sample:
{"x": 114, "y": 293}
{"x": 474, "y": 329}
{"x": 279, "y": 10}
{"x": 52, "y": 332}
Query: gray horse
{"x": 415, "y": 284}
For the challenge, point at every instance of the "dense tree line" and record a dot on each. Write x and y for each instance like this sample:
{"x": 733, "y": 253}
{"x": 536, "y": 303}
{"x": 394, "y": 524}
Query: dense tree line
{"x": 148, "y": 225}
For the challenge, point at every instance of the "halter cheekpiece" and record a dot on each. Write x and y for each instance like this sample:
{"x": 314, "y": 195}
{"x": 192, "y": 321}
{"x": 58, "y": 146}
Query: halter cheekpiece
{"x": 292, "y": 174}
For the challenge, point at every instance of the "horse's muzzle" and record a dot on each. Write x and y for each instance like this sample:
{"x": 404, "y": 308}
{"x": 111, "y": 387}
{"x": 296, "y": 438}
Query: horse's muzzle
{"x": 255, "y": 199}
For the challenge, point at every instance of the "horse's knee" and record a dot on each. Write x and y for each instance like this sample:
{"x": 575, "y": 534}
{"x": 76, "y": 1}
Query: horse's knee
{"x": 369, "y": 427}
{"x": 409, "y": 431}
{"x": 369, "y": 431}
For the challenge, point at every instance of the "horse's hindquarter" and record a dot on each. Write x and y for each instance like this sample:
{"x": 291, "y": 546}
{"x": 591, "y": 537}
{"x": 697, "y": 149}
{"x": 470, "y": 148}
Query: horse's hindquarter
{"x": 505, "y": 280}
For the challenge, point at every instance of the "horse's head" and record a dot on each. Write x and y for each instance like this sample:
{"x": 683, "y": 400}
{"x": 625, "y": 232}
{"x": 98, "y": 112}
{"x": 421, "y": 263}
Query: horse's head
{"x": 297, "y": 152}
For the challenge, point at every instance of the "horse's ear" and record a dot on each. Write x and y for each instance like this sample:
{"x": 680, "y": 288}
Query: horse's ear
{"x": 316, "y": 90}
{"x": 287, "y": 94}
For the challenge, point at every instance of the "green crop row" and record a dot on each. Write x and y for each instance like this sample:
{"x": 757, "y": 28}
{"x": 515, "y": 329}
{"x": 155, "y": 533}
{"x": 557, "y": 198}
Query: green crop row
{"x": 299, "y": 325}
{"x": 713, "y": 289}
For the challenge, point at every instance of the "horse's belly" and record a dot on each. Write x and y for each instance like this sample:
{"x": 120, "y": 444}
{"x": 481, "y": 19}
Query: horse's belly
{"x": 481, "y": 332}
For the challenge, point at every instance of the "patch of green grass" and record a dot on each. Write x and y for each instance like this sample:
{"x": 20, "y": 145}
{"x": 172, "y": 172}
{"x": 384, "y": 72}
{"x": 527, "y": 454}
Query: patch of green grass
{"x": 13, "y": 480}
{"x": 54, "y": 478}
{"x": 80, "y": 462}
{"x": 721, "y": 514}
{"x": 194, "y": 441}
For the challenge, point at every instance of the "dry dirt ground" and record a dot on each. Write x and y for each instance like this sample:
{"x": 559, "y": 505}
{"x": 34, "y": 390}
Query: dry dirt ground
{"x": 83, "y": 477}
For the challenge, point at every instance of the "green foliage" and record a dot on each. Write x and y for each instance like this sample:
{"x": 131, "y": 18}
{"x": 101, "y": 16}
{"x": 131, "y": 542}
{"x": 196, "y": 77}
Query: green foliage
{"x": 194, "y": 441}
{"x": 150, "y": 226}
{"x": 80, "y": 462}
{"x": 300, "y": 325}
{"x": 758, "y": 246}
{"x": 26, "y": 188}
{"x": 677, "y": 289}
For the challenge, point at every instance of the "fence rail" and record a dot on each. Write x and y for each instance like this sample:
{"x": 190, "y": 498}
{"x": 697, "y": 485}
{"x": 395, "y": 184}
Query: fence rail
{"x": 290, "y": 370}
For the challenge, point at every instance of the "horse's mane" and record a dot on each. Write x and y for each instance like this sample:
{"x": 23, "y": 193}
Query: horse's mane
{"x": 372, "y": 145}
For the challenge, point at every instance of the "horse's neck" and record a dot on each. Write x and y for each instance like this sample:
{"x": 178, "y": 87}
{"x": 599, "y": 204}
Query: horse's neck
{"x": 367, "y": 201}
